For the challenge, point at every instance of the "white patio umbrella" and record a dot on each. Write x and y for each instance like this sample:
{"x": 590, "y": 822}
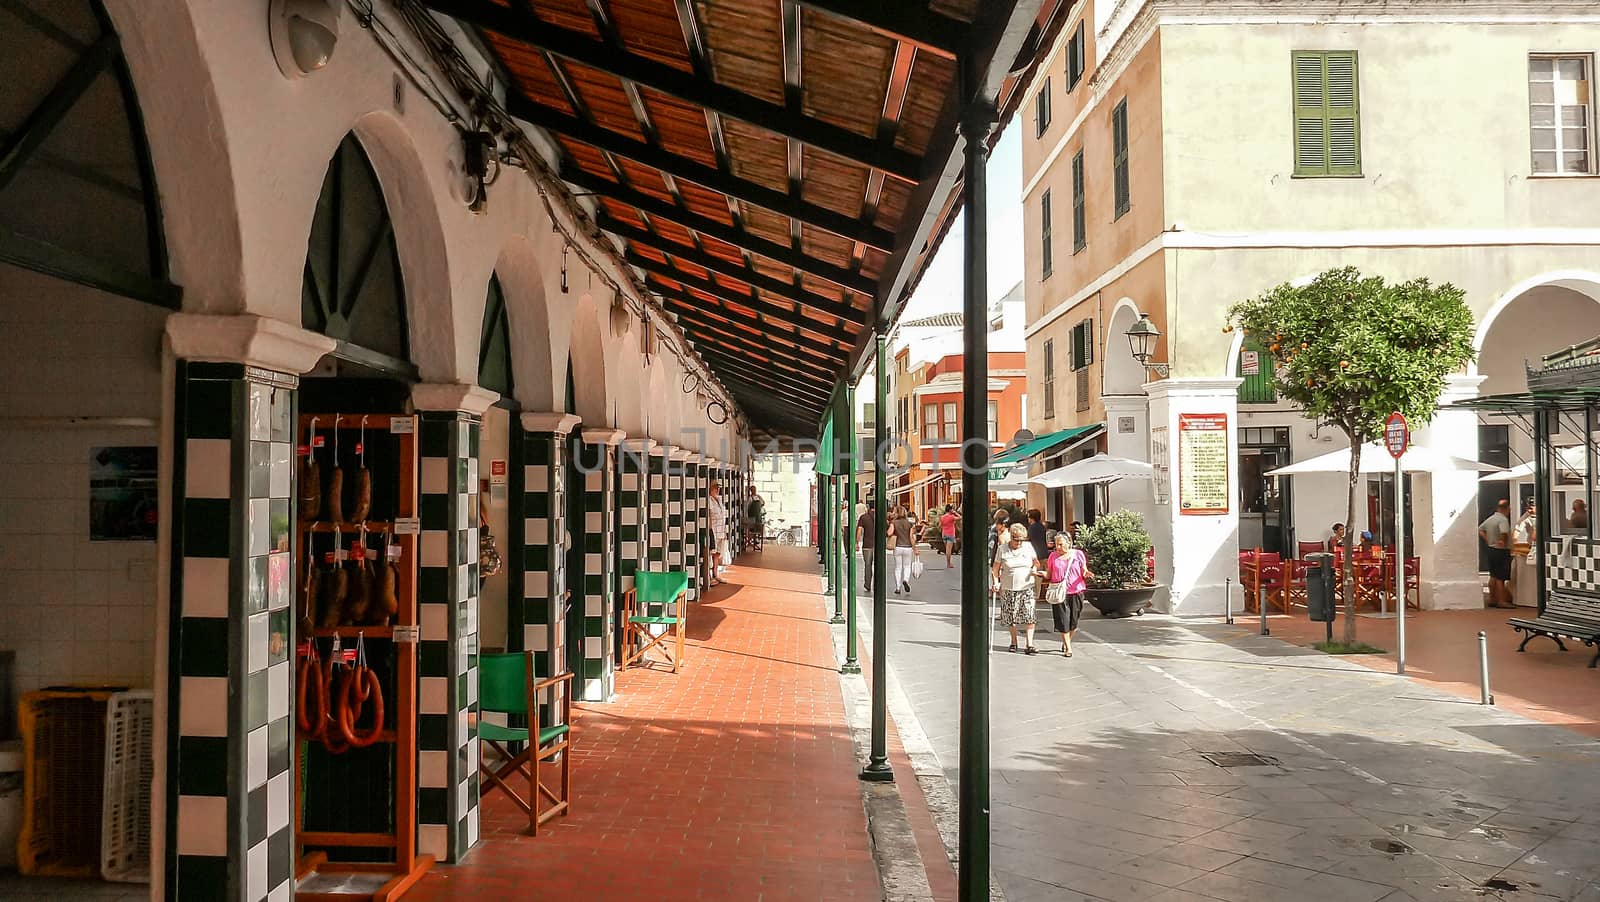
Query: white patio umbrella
{"x": 1375, "y": 459}
{"x": 1520, "y": 471}
{"x": 1571, "y": 459}
{"x": 1100, "y": 469}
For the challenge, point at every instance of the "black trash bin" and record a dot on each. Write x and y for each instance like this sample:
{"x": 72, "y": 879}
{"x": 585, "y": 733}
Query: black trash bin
{"x": 1321, "y": 601}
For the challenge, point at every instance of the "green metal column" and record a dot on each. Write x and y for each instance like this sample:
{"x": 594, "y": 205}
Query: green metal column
{"x": 973, "y": 820}
{"x": 837, "y": 549}
{"x": 878, "y": 769}
{"x": 851, "y": 665}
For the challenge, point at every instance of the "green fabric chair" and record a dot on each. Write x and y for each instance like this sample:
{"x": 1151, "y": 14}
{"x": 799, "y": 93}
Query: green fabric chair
{"x": 657, "y": 600}
{"x": 506, "y": 686}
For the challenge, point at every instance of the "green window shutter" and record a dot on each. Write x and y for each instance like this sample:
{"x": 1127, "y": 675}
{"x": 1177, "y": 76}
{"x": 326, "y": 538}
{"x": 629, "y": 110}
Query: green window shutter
{"x": 1080, "y": 236}
{"x": 1075, "y": 58}
{"x": 1327, "y": 118}
{"x": 1258, "y": 386}
{"x": 1119, "y": 157}
{"x": 1047, "y": 263}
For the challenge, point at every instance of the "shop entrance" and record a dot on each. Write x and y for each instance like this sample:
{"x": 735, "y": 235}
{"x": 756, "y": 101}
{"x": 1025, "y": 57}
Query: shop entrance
{"x": 1266, "y": 511}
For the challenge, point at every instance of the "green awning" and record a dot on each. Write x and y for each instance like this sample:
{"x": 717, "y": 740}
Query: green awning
{"x": 825, "y": 449}
{"x": 1044, "y": 444}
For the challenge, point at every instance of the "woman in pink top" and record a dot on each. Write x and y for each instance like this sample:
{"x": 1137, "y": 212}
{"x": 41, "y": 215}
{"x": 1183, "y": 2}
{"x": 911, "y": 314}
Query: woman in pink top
{"x": 1067, "y": 573}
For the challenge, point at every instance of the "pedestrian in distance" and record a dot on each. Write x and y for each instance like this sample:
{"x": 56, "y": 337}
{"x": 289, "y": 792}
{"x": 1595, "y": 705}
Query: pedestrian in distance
{"x": 1335, "y": 540}
{"x": 997, "y": 532}
{"x": 1067, "y": 575}
{"x": 948, "y": 521}
{"x": 902, "y": 539}
{"x": 865, "y": 538}
{"x": 719, "y": 533}
{"x": 1015, "y": 566}
{"x": 1038, "y": 537}
{"x": 1495, "y": 531}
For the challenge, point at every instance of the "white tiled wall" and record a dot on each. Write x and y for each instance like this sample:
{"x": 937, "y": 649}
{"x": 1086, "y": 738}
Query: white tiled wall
{"x": 74, "y": 611}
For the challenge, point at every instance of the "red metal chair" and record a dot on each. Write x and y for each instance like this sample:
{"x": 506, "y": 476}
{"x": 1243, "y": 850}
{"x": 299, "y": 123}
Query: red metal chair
{"x": 1305, "y": 548}
{"x": 1294, "y": 586}
{"x": 1272, "y": 578}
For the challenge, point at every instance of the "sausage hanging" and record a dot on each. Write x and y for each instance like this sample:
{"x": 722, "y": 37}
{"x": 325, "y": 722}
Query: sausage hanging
{"x": 336, "y": 484}
{"x": 363, "y": 479}
{"x": 310, "y": 479}
{"x": 311, "y": 713}
{"x": 361, "y": 686}
{"x": 361, "y": 583}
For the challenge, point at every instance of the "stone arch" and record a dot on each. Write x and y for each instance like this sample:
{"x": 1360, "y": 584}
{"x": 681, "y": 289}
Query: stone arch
{"x": 1570, "y": 311}
{"x": 1122, "y": 373}
{"x": 424, "y": 253}
{"x": 588, "y": 352}
{"x": 528, "y": 318}
{"x": 189, "y": 150}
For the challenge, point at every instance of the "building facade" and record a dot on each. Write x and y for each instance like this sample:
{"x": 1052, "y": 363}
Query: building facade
{"x": 937, "y": 408}
{"x": 1182, "y": 155}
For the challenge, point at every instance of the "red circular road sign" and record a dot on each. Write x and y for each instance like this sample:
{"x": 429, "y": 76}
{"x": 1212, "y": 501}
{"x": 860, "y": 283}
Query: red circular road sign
{"x": 1396, "y": 435}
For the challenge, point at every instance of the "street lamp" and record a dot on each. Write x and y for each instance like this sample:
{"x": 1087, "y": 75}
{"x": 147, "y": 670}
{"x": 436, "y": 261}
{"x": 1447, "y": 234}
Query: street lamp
{"x": 1142, "y": 337}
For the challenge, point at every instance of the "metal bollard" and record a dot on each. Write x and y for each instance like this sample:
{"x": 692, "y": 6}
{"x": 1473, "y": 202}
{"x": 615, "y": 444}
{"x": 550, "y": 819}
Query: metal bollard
{"x": 1483, "y": 669}
{"x": 1261, "y": 605}
{"x": 1228, "y": 600}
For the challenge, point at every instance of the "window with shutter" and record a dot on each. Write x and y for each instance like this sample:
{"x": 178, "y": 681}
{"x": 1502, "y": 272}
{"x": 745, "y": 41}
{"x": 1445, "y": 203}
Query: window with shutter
{"x": 1083, "y": 390}
{"x": 1327, "y": 116}
{"x": 1041, "y": 110}
{"x": 1560, "y": 109}
{"x": 1119, "y": 157}
{"x": 1049, "y": 379}
{"x": 952, "y": 431}
{"x": 1075, "y": 58}
{"x": 1046, "y": 264}
{"x": 1080, "y": 237}
{"x": 1082, "y": 344}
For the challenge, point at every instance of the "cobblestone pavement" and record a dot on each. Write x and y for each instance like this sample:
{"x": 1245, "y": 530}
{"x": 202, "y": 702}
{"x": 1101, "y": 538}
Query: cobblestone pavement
{"x": 1375, "y": 787}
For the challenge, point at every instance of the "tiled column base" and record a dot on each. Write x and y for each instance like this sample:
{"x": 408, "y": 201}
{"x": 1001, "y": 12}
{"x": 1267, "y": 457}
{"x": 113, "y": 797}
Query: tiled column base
{"x": 229, "y": 792}
{"x": 544, "y": 552}
{"x": 447, "y": 603}
{"x": 632, "y": 464}
{"x": 656, "y": 500}
{"x": 597, "y": 462}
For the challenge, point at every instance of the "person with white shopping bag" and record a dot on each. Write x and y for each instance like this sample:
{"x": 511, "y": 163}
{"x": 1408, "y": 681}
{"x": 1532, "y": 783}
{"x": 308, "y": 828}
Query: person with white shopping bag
{"x": 901, "y": 537}
{"x": 1066, "y": 581}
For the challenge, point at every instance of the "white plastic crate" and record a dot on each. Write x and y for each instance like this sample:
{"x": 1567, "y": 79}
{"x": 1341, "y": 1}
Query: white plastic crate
{"x": 130, "y": 763}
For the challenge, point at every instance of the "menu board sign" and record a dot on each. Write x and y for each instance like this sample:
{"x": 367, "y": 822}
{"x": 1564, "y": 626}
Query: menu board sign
{"x": 1202, "y": 463}
{"x": 1161, "y": 461}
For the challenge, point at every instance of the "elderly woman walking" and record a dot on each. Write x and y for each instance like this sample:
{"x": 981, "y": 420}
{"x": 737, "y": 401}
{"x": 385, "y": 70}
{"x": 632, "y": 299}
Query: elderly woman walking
{"x": 1015, "y": 566}
{"x": 1066, "y": 577}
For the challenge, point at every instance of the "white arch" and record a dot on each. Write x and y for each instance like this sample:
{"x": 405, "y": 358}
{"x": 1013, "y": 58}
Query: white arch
{"x": 1582, "y": 281}
{"x": 1121, "y": 374}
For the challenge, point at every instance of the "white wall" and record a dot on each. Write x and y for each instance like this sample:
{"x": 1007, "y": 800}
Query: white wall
{"x": 73, "y": 610}
{"x": 785, "y": 482}
{"x": 1444, "y": 127}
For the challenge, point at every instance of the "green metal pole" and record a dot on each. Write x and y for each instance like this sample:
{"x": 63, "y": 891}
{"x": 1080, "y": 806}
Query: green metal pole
{"x": 851, "y": 665}
{"x": 878, "y": 769}
{"x": 972, "y": 830}
{"x": 838, "y": 549}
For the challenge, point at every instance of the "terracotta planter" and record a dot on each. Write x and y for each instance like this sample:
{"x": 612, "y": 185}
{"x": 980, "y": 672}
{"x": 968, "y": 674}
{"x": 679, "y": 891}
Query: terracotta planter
{"x": 1121, "y": 602}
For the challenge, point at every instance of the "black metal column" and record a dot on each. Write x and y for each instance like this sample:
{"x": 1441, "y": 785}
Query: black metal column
{"x": 973, "y": 825}
{"x": 878, "y": 769}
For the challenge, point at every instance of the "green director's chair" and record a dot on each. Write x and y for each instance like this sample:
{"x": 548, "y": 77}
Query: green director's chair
{"x": 656, "y": 600}
{"x": 506, "y": 686}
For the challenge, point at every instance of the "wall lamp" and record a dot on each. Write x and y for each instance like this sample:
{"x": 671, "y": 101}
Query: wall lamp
{"x": 1142, "y": 337}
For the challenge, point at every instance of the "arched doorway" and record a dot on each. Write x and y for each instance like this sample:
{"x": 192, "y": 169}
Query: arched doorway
{"x": 1537, "y": 317}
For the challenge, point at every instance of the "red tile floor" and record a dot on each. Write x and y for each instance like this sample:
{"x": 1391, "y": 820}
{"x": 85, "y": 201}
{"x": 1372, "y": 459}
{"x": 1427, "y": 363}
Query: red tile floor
{"x": 731, "y": 780}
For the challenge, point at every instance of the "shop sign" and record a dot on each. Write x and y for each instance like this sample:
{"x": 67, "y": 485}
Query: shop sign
{"x": 1202, "y": 464}
{"x": 497, "y": 483}
{"x": 1249, "y": 363}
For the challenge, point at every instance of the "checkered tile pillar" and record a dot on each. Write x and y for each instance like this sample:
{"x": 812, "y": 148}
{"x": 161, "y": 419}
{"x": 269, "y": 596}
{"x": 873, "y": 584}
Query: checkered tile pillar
{"x": 691, "y": 527}
{"x": 447, "y": 659}
{"x": 656, "y": 500}
{"x": 702, "y": 504}
{"x": 229, "y": 784}
{"x": 633, "y": 462}
{"x": 597, "y": 461}
{"x": 545, "y": 537}
{"x": 675, "y": 484}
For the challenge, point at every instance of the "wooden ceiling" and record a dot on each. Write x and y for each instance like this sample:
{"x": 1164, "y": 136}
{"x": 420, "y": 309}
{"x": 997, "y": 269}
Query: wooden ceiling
{"x": 777, "y": 170}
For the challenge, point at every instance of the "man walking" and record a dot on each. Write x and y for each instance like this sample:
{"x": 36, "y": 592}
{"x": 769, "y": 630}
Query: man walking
{"x": 1495, "y": 531}
{"x": 864, "y": 541}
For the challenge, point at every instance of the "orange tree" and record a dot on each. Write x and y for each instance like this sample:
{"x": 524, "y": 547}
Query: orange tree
{"x": 1350, "y": 350}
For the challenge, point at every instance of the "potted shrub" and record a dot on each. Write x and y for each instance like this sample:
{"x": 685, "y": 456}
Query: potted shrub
{"x": 1118, "y": 546}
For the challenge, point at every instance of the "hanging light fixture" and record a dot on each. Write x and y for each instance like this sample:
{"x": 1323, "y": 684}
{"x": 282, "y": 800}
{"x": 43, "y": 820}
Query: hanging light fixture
{"x": 1142, "y": 338}
{"x": 564, "y": 249}
{"x": 303, "y": 34}
{"x": 621, "y": 322}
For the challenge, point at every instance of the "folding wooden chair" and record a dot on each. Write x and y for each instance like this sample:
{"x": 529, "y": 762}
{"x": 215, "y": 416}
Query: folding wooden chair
{"x": 1295, "y": 591}
{"x": 653, "y": 614}
{"x": 506, "y": 686}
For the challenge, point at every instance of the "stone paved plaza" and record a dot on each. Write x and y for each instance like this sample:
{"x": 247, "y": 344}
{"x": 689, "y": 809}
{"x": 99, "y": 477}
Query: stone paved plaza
{"x": 1377, "y": 788}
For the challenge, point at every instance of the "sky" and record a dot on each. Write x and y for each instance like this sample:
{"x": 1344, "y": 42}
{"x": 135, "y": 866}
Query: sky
{"x": 940, "y": 288}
